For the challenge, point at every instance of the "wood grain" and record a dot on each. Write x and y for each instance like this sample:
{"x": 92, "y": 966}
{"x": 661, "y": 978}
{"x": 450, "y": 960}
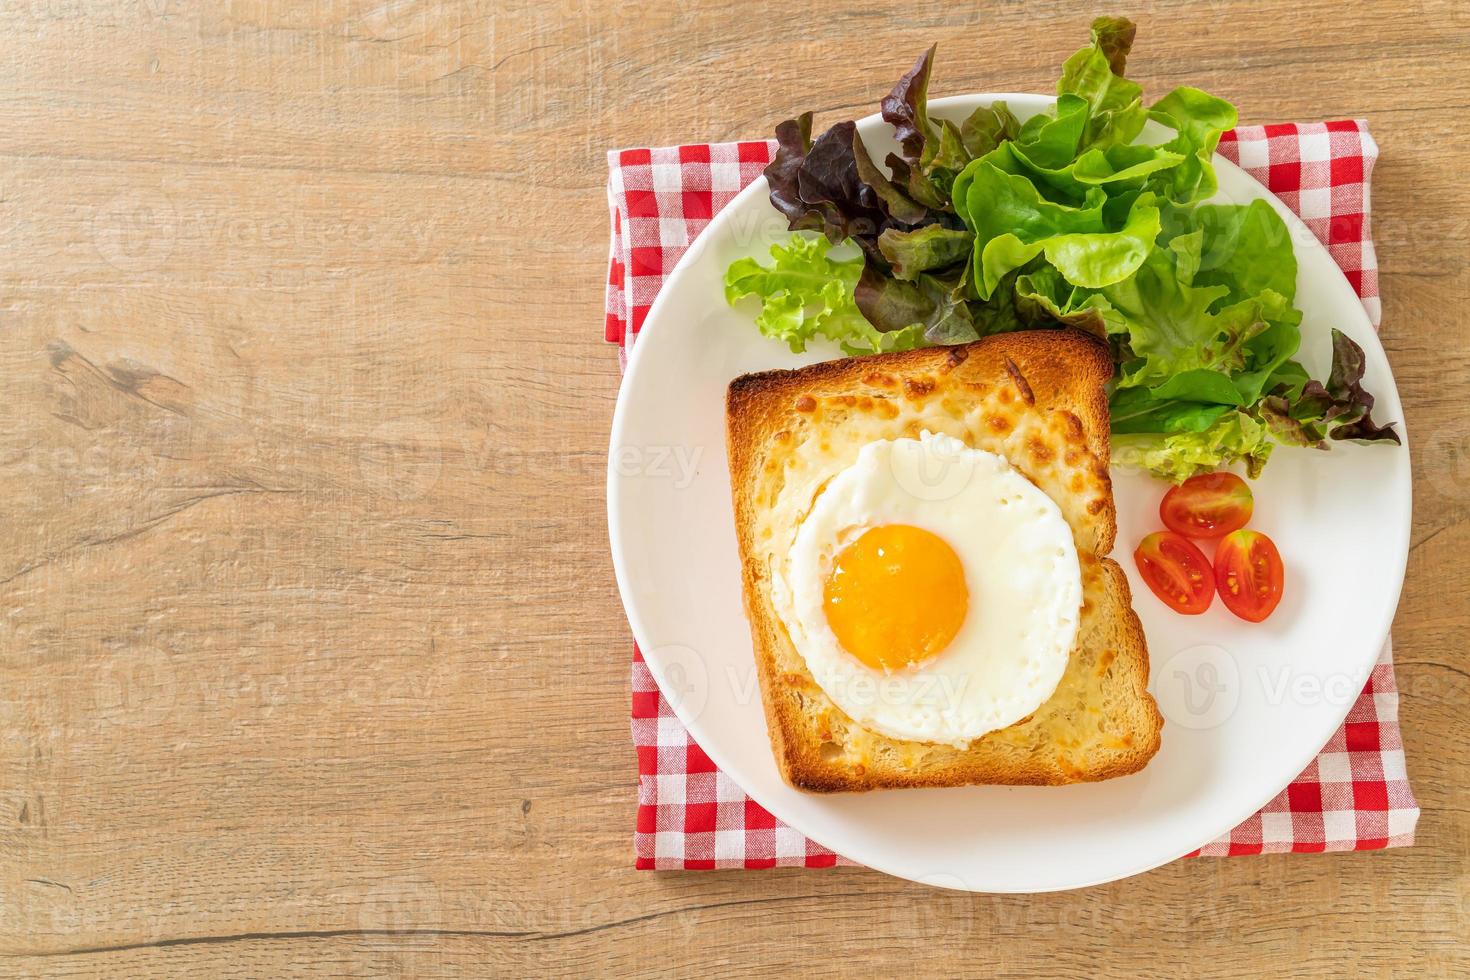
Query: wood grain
{"x": 310, "y": 657}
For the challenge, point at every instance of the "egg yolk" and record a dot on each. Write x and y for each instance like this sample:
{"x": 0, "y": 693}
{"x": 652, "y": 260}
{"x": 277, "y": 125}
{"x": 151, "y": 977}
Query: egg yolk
{"x": 896, "y": 596}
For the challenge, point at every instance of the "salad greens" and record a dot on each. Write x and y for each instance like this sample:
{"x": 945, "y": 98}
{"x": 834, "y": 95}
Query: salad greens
{"x": 809, "y": 294}
{"x": 1064, "y": 220}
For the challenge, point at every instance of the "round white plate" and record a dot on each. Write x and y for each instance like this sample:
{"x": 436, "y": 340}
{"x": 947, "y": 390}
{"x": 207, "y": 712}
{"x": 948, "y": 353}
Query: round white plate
{"x": 1246, "y": 707}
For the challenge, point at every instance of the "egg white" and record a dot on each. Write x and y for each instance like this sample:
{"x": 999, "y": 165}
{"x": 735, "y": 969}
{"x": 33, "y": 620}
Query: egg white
{"x": 1020, "y": 565}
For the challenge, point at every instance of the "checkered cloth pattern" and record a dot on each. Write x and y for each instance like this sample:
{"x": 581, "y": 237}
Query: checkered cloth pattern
{"x": 1354, "y": 796}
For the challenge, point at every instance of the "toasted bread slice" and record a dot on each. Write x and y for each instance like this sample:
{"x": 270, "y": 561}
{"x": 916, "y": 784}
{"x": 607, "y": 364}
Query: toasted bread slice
{"x": 1036, "y": 398}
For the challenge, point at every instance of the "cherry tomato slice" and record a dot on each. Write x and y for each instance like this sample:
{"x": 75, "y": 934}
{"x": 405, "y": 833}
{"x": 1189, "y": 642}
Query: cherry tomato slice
{"x": 1249, "y": 574}
{"x": 1177, "y": 572}
{"x": 1207, "y": 506}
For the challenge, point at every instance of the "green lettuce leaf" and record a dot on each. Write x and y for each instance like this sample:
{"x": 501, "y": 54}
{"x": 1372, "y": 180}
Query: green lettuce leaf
{"x": 1043, "y": 298}
{"x": 1095, "y": 74}
{"x": 1138, "y": 410}
{"x": 1013, "y": 223}
{"x": 1246, "y": 247}
{"x": 1233, "y": 437}
{"x": 1198, "y": 119}
{"x": 806, "y": 293}
{"x": 1001, "y": 203}
{"x": 1090, "y": 259}
{"x": 1173, "y": 333}
{"x": 1124, "y": 164}
{"x": 1268, "y": 360}
{"x": 1207, "y": 329}
{"x": 1048, "y": 141}
{"x": 1197, "y": 305}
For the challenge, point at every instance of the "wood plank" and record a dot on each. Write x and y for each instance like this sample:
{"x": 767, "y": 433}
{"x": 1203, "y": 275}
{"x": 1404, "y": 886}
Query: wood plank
{"x": 311, "y": 658}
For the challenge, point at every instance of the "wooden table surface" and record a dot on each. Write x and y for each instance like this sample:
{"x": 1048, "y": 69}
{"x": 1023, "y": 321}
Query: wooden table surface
{"x": 310, "y": 653}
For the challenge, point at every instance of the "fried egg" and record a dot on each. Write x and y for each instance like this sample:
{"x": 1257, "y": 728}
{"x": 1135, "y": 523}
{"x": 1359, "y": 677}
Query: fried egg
{"x": 933, "y": 591}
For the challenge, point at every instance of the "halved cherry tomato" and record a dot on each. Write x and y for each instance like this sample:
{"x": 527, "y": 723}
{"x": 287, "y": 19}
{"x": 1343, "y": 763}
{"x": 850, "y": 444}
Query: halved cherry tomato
{"x": 1176, "y": 571}
{"x": 1207, "y": 506}
{"x": 1249, "y": 574}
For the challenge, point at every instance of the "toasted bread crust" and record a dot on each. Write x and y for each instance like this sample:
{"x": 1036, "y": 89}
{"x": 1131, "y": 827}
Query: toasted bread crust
{"x": 1056, "y": 376}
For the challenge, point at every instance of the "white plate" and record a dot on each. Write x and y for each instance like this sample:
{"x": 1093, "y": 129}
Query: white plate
{"x": 1247, "y": 707}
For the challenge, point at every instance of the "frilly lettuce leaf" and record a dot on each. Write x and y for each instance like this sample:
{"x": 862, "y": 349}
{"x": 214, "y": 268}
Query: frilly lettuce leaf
{"x": 1175, "y": 328}
{"x": 816, "y": 185}
{"x": 903, "y": 209}
{"x": 1201, "y": 324}
{"x": 1246, "y": 247}
{"x": 1232, "y": 437}
{"x": 1014, "y": 222}
{"x": 1076, "y": 240}
{"x": 906, "y": 109}
{"x": 1198, "y": 119}
{"x": 1043, "y": 298}
{"x": 806, "y": 293}
{"x": 1341, "y": 409}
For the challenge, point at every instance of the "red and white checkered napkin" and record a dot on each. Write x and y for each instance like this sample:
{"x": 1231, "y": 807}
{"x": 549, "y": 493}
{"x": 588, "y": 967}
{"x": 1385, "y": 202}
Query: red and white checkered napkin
{"x": 1355, "y": 796}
